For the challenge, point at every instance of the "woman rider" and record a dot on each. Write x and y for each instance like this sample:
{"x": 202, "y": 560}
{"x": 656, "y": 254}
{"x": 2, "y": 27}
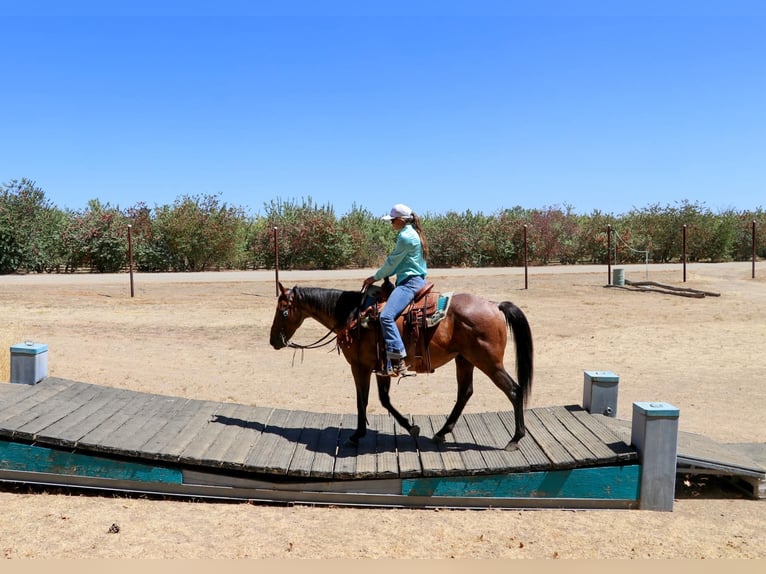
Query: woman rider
{"x": 408, "y": 262}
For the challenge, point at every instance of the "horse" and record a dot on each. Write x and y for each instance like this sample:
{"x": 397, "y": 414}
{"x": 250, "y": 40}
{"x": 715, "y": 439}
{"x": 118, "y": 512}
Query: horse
{"x": 473, "y": 333}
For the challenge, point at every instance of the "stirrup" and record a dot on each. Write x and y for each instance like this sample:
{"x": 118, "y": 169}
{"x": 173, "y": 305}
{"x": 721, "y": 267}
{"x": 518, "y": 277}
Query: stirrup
{"x": 401, "y": 370}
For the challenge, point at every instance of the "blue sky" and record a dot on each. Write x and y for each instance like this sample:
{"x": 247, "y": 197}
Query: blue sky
{"x": 446, "y": 106}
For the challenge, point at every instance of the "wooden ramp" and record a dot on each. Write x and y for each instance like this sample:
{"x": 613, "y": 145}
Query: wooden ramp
{"x": 74, "y": 434}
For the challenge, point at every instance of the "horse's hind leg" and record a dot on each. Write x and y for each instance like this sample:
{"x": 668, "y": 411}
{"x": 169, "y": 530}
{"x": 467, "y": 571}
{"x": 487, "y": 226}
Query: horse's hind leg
{"x": 505, "y": 383}
{"x": 384, "y": 388}
{"x": 464, "y": 391}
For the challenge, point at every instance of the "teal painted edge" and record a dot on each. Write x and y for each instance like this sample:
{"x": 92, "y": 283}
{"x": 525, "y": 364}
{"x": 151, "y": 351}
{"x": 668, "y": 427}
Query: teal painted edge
{"x": 34, "y": 349}
{"x": 656, "y": 409}
{"x": 603, "y": 483}
{"x": 35, "y": 458}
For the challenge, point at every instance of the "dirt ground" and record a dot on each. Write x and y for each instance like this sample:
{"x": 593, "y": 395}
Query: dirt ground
{"x": 205, "y": 336}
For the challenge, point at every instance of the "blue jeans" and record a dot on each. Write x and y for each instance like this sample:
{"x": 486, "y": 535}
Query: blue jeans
{"x": 400, "y": 297}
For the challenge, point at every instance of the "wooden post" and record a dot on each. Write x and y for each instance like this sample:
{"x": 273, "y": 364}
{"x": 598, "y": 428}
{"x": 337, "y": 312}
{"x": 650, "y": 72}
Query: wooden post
{"x": 753, "y": 241}
{"x": 130, "y": 257}
{"x": 683, "y": 253}
{"x": 599, "y": 392}
{"x": 608, "y": 254}
{"x": 276, "y": 260}
{"x": 526, "y": 259}
{"x": 654, "y": 433}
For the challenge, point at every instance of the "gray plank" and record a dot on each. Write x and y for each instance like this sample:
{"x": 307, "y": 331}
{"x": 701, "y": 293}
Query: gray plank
{"x": 386, "y": 460}
{"x": 191, "y": 417}
{"x": 327, "y": 446}
{"x": 278, "y": 461}
{"x": 407, "y": 451}
{"x": 559, "y": 456}
{"x": 600, "y": 451}
{"x": 565, "y": 436}
{"x": 470, "y": 451}
{"x": 69, "y": 431}
{"x": 367, "y": 452}
{"x": 528, "y": 446}
{"x": 55, "y": 409}
{"x": 205, "y": 438}
{"x": 148, "y": 423}
{"x": 102, "y": 438}
{"x": 32, "y": 396}
{"x": 307, "y": 446}
{"x": 258, "y": 458}
{"x": 611, "y": 439}
{"x": 430, "y": 455}
{"x": 493, "y": 442}
{"x": 252, "y": 422}
{"x": 41, "y": 405}
{"x": 345, "y": 460}
{"x": 514, "y": 460}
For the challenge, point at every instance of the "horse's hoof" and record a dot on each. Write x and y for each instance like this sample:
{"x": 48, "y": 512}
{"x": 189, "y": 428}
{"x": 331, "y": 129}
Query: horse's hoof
{"x": 415, "y": 431}
{"x": 438, "y": 438}
{"x": 351, "y": 443}
{"x": 511, "y": 446}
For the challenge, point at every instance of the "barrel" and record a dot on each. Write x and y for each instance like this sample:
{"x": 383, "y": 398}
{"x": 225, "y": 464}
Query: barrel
{"x": 618, "y": 277}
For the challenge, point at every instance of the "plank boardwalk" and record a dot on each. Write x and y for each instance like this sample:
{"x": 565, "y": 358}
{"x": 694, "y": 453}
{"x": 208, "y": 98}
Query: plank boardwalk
{"x": 263, "y": 441}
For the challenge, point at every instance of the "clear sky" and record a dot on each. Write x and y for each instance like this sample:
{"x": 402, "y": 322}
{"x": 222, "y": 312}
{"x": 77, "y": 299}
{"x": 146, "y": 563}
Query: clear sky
{"x": 444, "y": 105}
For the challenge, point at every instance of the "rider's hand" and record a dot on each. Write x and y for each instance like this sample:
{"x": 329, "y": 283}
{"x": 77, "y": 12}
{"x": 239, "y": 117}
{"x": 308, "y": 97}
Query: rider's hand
{"x": 369, "y": 281}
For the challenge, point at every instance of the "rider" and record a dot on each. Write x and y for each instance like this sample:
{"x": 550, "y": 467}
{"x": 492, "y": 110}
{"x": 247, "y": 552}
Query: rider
{"x": 408, "y": 262}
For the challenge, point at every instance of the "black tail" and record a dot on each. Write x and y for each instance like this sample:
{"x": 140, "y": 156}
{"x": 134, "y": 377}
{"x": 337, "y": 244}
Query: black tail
{"x": 522, "y": 337}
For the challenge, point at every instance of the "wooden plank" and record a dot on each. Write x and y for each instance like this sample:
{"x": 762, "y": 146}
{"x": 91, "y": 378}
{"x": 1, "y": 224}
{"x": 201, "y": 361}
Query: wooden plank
{"x": 278, "y": 461}
{"x": 69, "y": 431}
{"x": 528, "y": 446}
{"x": 251, "y": 422}
{"x": 470, "y": 451}
{"x": 327, "y": 446}
{"x": 32, "y": 396}
{"x": 387, "y": 460}
{"x": 109, "y": 436}
{"x": 213, "y": 440}
{"x": 514, "y": 460}
{"x": 559, "y": 456}
{"x": 430, "y": 455}
{"x": 407, "y": 453}
{"x": 367, "y": 452}
{"x": 345, "y": 459}
{"x": 566, "y": 438}
{"x": 258, "y": 458}
{"x": 202, "y": 412}
{"x": 35, "y": 409}
{"x": 601, "y": 452}
{"x": 495, "y": 457}
{"x": 307, "y": 446}
{"x": 146, "y": 424}
{"x": 175, "y": 435}
{"x": 54, "y": 409}
{"x": 621, "y": 448}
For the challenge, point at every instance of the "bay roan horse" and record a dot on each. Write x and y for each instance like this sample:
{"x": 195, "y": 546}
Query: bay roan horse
{"x": 474, "y": 333}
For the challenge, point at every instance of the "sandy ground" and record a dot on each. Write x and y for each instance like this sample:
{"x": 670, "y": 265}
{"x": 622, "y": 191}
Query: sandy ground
{"x": 205, "y": 336}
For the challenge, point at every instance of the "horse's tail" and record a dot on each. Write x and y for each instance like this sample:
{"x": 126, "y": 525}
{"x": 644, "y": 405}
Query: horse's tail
{"x": 522, "y": 337}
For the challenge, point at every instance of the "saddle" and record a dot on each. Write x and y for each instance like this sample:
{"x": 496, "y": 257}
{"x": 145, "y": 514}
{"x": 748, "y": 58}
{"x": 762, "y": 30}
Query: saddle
{"x": 417, "y": 322}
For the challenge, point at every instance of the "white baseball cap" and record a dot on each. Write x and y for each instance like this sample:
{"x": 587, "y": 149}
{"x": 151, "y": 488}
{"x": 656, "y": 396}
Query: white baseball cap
{"x": 399, "y": 211}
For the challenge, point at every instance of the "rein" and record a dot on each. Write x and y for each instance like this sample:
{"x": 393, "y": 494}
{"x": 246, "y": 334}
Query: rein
{"x": 318, "y": 344}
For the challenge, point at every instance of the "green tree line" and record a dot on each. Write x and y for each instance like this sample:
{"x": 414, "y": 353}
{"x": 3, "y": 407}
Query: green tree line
{"x": 202, "y": 232}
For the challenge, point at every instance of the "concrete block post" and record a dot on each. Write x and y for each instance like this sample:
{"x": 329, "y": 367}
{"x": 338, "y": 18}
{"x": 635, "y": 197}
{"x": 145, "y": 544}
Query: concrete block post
{"x": 29, "y": 363}
{"x": 655, "y": 435}
{"x": 599, "y": 392}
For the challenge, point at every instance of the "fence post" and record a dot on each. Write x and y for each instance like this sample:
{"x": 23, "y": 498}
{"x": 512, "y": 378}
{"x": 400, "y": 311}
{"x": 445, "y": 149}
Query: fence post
{"x": 608, "y": 254}
{"x": 276, "y": 261}
{"x": 683, "y": 253}
{"x": 526, "y": 259}
{"x": 753, "y": 242}
{"x": 130, "y": 257}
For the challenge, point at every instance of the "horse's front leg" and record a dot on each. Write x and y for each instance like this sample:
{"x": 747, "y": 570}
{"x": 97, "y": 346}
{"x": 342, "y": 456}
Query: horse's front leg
{"x": 464, "y": 392}
{"x": 384, "y": 389}
{"x": 362, "y": 382}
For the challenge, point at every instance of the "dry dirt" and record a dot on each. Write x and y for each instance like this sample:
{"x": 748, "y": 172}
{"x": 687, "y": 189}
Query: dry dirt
{"x": 205, "y": 336}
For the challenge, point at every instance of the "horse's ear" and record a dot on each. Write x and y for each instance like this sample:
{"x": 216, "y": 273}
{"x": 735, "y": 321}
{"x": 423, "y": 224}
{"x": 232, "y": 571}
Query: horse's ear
{"x": 282, "y": 288}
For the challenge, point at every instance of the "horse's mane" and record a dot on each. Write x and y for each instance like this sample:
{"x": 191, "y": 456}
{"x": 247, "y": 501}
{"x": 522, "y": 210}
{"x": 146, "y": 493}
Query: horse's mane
{"x": 333, "y": 302}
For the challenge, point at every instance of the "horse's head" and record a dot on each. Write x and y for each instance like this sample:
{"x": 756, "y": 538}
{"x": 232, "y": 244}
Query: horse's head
{"x": 287, "y": 318}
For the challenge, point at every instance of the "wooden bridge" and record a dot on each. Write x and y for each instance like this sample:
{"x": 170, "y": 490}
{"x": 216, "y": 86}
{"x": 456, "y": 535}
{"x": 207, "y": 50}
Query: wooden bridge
{"x": 74, "y": 434}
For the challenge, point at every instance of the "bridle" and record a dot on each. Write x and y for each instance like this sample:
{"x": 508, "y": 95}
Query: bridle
{"x": 318, "y": 344}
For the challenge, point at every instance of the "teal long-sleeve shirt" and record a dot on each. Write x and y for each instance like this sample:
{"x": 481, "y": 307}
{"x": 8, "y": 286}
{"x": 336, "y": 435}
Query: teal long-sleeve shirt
{"x": 406, "y": 259}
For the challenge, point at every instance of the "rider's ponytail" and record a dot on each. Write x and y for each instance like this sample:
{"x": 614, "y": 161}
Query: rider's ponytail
{"x": 419, "y": 228}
